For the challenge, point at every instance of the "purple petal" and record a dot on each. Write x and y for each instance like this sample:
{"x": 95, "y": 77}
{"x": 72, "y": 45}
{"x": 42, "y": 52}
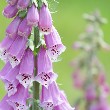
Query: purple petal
{"x": 45, "y": 72}
{"x": 23, "y": 4}
{"x": 25, "y": 76}
{"x": 24, "y": 30}
{"x": 5, "y": 70}
{"x": 46, "y": 100}
{"x": 16, "y": 52}
{"x": 11, "y": 87}
{"x": 12, "y": 29}
{"x": 4, "y": 105}
{"x": 45, "y": 20}
{"x": 33, "y": 16}
{"x": 10, "y": 11}
{"x": 12, "y": 2}
{"x": 4, "y": 46}
{"x": 18, "y": 100}
{"x": 54, "y": 44}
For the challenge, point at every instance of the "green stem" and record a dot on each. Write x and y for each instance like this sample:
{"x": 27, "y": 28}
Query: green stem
{"x": 35, "y": 84}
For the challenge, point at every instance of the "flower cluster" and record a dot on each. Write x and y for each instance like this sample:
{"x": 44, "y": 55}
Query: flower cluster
{"x": 16, "y": 52}
{"x": 89, "y": 75}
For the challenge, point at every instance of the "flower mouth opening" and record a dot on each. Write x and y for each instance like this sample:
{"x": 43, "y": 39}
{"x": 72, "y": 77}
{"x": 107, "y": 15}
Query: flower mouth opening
{"x": 25, "y": 79}
{"x": 19, "y": 106}
{"x": 13, "y": 61}
{"x": 11, "y": 89}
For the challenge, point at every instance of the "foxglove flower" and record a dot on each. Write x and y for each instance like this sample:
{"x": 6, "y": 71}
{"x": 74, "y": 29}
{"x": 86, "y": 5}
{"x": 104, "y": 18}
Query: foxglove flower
{"x": 10, "y": 11}
{"x": 12, "y": 2}
{"x": 16, "y": 52}
{"x": 13, "y": 27}
{"x": 50, "y": 97}
{"x": 4, "y": 105}
{"x": 18, "y": 100}
{"x": 24, "y": 30}
{"x": 10, "y": 82}
{"x": 45, "y": 20}
{"x": 54, "y": 44}
{"x": 4, "y": 46}
{"x": 46, "y": 100}
{"x": 23, "y": 4}
{"x": 25, "y": 75}
{"x": 65, "y": 105}
{"x": 33, "y": 16}
{"x": 45, "y": 74}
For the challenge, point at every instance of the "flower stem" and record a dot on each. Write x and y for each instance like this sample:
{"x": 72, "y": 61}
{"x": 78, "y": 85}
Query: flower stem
{"x": 35, "y": 83}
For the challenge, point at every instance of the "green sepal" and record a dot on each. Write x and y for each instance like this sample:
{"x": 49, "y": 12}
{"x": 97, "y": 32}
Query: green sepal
{"x": 40, "y": 3}
{"x": 35, "y": 2}
{"x": 22, "y": 14}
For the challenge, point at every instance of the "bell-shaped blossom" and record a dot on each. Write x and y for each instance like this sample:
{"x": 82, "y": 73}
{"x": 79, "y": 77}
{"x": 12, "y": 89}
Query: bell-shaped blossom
{"x": 4, "y": 105}
{"x": 46, "y": 100}
{"x": 24, "y": 30}
{"x": 50, "y": 97}
{"x": 9, "y": 78}
{"x": 33, "y": 16}
{"x": 18, "y": 100}
{"x": 54, "y": 44}
{"x": 25, "y": 75}
{"x": 12, "y": 2}
{"x": 65, "y": 105}
{"x": 45, "y": 74}
{"x": 23, "y": 4}
{"x": 4, "y": 46}
{"x": 12, "y": 29}
{"x": 17, "y": 50}
{"x": 10, "y": 11}
{"x": 45, "y": 20}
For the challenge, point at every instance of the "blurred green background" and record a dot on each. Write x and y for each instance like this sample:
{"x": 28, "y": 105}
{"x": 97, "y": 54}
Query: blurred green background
{"x": 69, "y": 22}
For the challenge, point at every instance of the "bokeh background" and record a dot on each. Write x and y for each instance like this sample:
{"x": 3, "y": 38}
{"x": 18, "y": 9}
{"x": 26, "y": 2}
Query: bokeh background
{"x": 69, "y": 22}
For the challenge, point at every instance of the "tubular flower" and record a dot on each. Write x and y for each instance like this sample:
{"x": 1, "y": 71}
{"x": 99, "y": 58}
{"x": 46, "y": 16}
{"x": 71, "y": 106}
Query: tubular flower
{"x": 25, "y": 75}
{"x": 4, "y": 47}
{"x": 45, "y": 20}
{"x": 16, "y": 53}
{"x": 54, "y": 44}
{"x": 10, "y": 11}
{"x": 23, "y": 4}
{"x": 65, "y": 105}
{"x": 50, "y": 97}
{"x": 33, "y": 16}
{"x": 24, "y": 30}
{"x": 45, "y": 71}
{"x": 11, "y": 82}
{"x": 12, "y": 29}
{"x": 18, "y": 100}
